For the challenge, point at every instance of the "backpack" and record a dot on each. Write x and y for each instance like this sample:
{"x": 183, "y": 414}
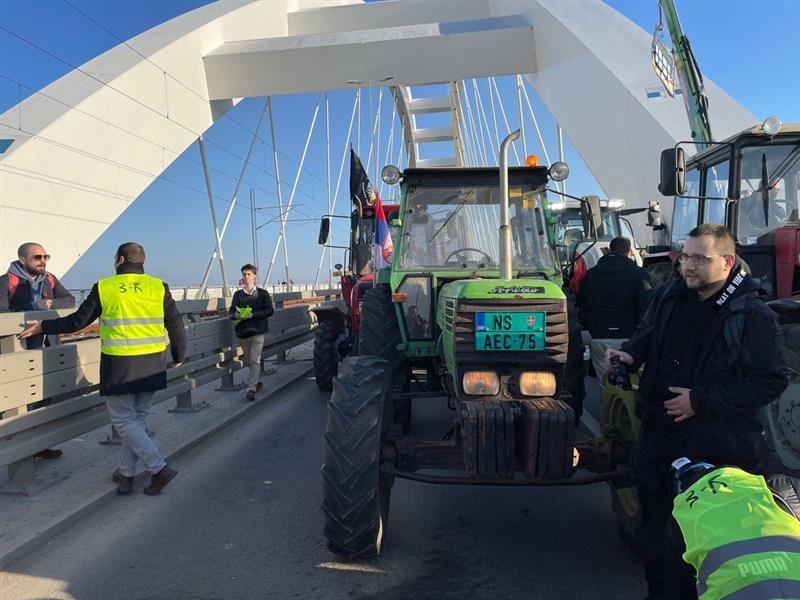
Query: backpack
{"x": 13, "y": 282}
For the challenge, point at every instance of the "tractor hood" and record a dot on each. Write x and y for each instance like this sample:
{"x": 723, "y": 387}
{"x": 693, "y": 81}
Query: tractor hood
{"x": 499, "y": 290}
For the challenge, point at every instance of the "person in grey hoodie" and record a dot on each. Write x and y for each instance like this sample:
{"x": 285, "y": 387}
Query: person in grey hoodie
{"x": 29, "y": 286}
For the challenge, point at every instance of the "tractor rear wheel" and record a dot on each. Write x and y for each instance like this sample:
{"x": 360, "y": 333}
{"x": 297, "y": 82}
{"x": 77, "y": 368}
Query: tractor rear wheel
{"x": 355, "y": 493}
{"x": 326, "y": 354}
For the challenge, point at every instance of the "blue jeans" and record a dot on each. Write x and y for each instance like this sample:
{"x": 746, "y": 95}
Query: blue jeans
{"x": 129, "y": 416}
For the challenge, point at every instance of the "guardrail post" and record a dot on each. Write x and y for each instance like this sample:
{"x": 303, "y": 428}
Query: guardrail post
{"x": 113, "y": 439}
{"x": 227, "y": 384}
{"x": 184, "y": 404}
{"x": 20, "y": 474}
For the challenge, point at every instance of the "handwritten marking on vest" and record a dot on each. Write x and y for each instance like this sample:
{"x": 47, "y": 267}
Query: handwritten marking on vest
{"x": 135, "y": 288}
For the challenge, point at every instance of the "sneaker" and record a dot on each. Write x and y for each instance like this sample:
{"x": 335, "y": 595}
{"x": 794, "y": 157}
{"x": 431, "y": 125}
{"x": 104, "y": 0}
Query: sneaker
{"x": 49, "y": 454}
{"x": 124, "y": 485}
{"x": 251, "y": 395}
{"x": 158, "y": 481}
{"x": 259, "y": 385}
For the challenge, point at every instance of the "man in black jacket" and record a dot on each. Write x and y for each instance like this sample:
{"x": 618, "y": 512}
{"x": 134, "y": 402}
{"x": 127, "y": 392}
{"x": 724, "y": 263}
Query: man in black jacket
{"x": 614, "y": 293}
{"x": 713, "y": 355}
{"x": 133, "y": 309}
{"x": 251, "y": 308}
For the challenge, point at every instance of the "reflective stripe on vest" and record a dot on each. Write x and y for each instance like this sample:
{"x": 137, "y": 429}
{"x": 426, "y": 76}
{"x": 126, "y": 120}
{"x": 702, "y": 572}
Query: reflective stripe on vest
{"x": 785, "y": 589}
{"x": 736, "y": 537}
{"x": 132, "y": 319}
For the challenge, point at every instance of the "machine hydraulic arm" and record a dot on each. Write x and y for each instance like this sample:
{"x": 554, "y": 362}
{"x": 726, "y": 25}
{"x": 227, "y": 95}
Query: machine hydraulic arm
{"x": 689, "y": 75}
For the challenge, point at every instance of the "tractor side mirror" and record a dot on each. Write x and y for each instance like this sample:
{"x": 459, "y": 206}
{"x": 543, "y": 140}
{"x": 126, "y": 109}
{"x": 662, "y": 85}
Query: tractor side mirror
{"x": 590, "y": 210}
{"x": 324, "y": 230}
{"x": 673, "y": 172}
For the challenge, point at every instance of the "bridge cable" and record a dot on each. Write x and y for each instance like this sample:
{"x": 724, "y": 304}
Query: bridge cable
{"x": 482, "y": 115}
{"x": 341, "y": 170}
{"x": 232, "y": 205}
{"x": 486, "y": 152}
{"x": 505, "y": 119}
{"x": 518, "y": 81}
{"x": 282, "y": 235}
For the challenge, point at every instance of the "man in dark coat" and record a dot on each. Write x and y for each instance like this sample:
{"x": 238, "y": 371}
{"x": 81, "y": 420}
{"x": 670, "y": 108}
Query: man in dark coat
{"x": 614, "y": 293}
{"x": 713, "y": 356}
{"x": 132, "y": 363}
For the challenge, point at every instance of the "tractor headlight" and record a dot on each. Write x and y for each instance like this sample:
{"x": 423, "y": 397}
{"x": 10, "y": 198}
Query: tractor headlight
{"x": 481, "y": 383}
{"x": 772, "y": 125}
{"x": 537, "y": 383}
{"x": 390, "y": 174}
{"x": 559, "y": 171}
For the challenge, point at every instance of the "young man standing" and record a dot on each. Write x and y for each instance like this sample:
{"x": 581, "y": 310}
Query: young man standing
{"x": 713, "y": 356}
{"x": 251, "y": 306}
{"x": 133, "y": 309}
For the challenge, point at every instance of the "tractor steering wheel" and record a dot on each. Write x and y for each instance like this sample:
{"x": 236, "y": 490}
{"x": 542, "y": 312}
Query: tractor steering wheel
{"x": 461, "y": 259}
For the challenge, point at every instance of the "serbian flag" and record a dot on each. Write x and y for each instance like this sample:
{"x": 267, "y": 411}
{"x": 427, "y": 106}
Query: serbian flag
{"x": 362, "y": 193}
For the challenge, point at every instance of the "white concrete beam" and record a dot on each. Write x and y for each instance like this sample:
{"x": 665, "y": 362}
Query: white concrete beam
{"x": 412, "y": 55}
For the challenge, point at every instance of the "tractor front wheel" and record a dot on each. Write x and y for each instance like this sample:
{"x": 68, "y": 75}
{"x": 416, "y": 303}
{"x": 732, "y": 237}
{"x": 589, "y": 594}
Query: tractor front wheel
{"x": 355, "y": 493}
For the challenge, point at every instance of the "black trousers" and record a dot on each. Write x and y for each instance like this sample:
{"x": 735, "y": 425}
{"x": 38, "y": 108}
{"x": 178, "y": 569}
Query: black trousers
{"x": 661, "y": 543}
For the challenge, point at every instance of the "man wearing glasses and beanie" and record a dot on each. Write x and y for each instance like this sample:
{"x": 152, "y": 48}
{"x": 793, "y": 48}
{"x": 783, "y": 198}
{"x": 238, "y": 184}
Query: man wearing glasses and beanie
{"x": 713, "y": 356}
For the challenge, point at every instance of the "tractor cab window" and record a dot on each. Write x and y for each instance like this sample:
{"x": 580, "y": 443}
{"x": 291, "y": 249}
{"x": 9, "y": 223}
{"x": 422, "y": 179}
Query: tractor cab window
{"x": 716, "y": 192}
{"x": 782, "y": 162}
{"x": 362, "y": 235}
{"x": 457, "y": 228}
{"x": 687, "y": 210}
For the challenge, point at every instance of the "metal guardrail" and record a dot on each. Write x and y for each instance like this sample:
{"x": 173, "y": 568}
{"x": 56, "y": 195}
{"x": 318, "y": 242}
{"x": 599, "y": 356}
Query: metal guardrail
{"x": 190, "y": 292}
{"x": 69, "y": 374}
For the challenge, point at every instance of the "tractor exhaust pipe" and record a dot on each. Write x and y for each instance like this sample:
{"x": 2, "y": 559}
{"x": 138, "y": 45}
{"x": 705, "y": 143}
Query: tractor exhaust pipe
{"x": 505, "y": 226}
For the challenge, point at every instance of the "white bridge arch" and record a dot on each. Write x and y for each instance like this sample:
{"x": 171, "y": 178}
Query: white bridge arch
{"x": 89, "y": 144}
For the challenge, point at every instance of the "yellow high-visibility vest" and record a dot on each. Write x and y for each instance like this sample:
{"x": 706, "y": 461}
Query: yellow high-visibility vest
{"x": 740, "y": 542}
{"x": 132, "y": 319}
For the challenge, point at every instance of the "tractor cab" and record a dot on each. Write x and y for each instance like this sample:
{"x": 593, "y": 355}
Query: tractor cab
{"x": 750, "y": 183}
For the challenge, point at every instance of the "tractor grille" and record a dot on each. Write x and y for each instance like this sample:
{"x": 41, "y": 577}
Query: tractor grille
{"x": 556, "y": 334}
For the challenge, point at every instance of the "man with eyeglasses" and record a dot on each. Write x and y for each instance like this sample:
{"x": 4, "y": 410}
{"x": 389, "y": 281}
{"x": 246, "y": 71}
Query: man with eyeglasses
{"x": 29, "y": 286}
{"x": 713, "y": 356}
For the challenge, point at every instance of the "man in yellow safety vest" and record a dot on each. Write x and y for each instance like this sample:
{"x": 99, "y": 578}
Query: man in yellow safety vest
{"x": 133, "y": 309}
{"x": 740, "y": 542}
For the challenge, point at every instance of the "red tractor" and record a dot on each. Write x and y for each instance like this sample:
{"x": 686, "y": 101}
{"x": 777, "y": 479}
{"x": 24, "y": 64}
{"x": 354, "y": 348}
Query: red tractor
{"x": 337, "y": 332}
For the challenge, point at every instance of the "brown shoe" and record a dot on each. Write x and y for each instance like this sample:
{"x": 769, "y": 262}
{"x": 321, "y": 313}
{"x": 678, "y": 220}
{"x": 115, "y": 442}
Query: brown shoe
{"x": 251, "y": 395}
{"x": 49, "y": 454}
{"x": 159, "y": 481}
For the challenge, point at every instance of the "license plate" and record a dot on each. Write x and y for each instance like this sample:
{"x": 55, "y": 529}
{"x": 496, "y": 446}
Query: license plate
{"x": 510, "y": 331}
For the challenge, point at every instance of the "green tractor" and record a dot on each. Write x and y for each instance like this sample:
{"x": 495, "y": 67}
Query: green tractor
{"x": 471, "y": 314}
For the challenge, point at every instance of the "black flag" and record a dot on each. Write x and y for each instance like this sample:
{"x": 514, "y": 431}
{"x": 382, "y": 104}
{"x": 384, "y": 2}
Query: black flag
{"x": 361, "y": 191}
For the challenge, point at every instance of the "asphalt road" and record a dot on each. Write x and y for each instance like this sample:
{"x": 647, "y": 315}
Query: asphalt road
{"x": 242, "y": 521}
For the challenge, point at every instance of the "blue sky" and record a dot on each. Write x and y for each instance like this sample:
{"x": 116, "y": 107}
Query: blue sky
{"x": 748, "y": 47}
